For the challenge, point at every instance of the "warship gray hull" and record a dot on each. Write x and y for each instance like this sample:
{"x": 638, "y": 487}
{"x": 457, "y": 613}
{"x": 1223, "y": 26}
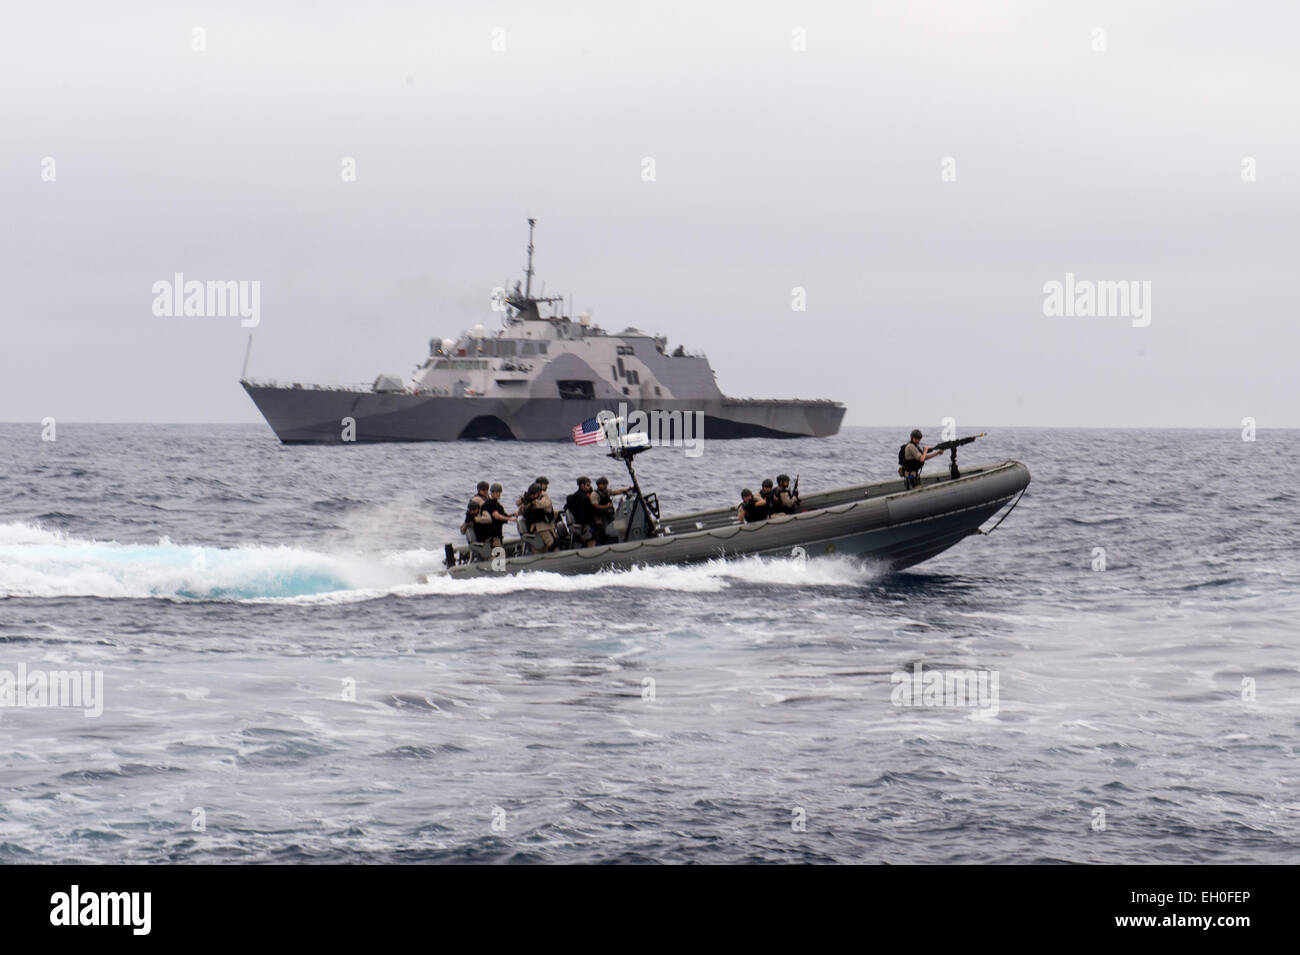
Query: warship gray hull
{"x": 316, "y": 415}
{"x": 881, "y": 523}
{"x": 533, "y": 379}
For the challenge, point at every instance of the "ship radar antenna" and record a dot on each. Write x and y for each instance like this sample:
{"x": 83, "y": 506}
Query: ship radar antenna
{"x": 528, "y": 273}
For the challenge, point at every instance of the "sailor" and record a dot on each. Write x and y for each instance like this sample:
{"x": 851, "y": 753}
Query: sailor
{"x": 767, "y": 495}
{"x": 911, "y": 458}
{"x": 751, "y": 508}
{"x": 478, "y": 527}
{"x": 603, "y": 502}
{"x": 546, "y": 504}
{"x": 540, "y": 482}
{"x": 524, "y": 508}
{"x": 481, "y": 493}
{"x": 582, "y": 512}
{"x": 497, "y": 511}
{"x": 784, "y": 500}
{"x": 471, "y": 515}
{"x": 538, "y": 514}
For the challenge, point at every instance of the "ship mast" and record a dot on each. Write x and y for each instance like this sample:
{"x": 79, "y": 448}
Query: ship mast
{"x": 528, "y": 272}
{"x": 522, "y": 302}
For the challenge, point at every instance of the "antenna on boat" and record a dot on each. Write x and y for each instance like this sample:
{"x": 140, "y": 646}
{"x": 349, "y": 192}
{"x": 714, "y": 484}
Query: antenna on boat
{"x": 528, "y": 272}
{"x": 625, "y": 445}
{"x": 243, "y": 375}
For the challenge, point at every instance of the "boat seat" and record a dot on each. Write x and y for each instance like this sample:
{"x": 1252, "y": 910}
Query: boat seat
{"x": 572, "y": 540}
{"x": 563, "y": 531}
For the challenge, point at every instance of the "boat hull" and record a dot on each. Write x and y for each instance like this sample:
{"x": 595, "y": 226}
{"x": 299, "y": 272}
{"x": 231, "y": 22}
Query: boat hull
{"x": 316, "y": 416}
{"x": 875, "y": 522}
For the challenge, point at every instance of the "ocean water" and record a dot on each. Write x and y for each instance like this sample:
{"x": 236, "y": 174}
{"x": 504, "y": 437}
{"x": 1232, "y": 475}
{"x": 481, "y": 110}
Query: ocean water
{"x": 276, "y": 687}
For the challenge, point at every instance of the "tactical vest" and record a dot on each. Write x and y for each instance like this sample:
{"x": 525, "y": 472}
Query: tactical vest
{"x": 904, "y": 462}
{"x": 534, "y": 515}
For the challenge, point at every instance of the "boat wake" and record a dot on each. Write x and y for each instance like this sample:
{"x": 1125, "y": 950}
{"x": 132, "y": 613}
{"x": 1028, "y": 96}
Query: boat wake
{"x": 42, "y": 563}
{"x": 36, "y": 562}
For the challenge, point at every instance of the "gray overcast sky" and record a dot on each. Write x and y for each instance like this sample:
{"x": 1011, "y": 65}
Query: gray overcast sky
{"x": 775, "y": 169}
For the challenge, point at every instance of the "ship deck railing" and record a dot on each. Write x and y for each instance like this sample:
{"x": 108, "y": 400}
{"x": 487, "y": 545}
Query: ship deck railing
{"x": 828, "y": 402}
{"x": 361, "y": 387}
{"x": 304, "y": 385}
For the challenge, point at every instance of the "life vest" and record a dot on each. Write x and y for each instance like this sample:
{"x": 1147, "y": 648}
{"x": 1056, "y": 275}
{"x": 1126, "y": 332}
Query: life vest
{"x": 754, "y": 511}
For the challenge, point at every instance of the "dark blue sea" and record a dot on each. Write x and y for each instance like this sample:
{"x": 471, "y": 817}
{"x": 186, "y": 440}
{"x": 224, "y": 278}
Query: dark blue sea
{"x": 277, "y": 687}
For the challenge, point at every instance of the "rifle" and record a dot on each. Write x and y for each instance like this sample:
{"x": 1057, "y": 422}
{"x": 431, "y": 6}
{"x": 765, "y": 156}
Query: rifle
{"x": 951, "y": 447}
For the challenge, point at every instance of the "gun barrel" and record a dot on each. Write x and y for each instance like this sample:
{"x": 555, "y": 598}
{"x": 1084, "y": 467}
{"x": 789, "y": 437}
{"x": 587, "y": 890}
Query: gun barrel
{"x": 957, "y": 442}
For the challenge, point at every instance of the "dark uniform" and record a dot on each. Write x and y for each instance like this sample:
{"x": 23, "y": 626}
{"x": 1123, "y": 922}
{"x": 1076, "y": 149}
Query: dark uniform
{"x": 782, "y": 500}
{"x": 478, "y": 526}
{"x": 583, "y": 512}
{"x": 498, "y": 515}
{"x": 751, "y": 508}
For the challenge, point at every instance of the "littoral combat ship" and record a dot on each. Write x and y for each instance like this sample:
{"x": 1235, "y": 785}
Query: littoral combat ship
{"x": 532, "y": 380}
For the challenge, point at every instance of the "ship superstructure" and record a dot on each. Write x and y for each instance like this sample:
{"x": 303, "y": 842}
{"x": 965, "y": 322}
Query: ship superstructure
{"x": 533, "y": 379}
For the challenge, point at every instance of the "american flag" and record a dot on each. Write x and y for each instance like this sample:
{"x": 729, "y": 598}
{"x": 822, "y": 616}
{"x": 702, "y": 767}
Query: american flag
{"x": 587, "y": 433}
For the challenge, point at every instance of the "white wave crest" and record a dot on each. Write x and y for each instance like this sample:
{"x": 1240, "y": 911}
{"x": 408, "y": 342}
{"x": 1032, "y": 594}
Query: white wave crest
{"x": 37, "y": 562}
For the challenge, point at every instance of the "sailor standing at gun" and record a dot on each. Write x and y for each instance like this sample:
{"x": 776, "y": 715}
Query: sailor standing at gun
{"x": 603, "y": 501}
{"x": 911, "y": 458}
